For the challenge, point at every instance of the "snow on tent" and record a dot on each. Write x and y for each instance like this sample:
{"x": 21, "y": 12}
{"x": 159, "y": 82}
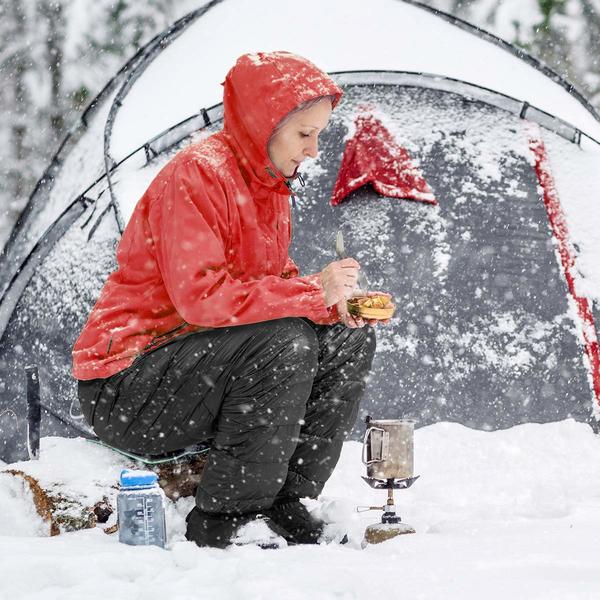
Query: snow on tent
{"x": 464, "y": 174}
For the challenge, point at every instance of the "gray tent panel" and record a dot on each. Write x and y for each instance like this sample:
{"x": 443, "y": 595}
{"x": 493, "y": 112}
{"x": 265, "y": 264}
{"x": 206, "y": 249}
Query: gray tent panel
{"x": 482, "y": 334}
{"x": 43, "y": 328}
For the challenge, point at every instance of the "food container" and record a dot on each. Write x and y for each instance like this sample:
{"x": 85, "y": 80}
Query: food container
{"x": 371, "y": 307}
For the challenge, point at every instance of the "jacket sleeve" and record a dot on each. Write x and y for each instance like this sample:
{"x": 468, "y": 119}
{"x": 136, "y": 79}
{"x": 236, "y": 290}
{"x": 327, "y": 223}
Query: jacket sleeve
{"x": 186, "y": 221}
{"x": 291, "y": 270}
{"x": 332, "y": 317}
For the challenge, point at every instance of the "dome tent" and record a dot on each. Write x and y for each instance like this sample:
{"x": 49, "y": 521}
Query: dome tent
{"x": 495, "y": 284}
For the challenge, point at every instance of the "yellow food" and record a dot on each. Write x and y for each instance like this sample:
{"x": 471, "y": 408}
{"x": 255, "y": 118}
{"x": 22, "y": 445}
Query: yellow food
{"x": 372, "y": 301}
{"x": 371, "y": 307}
{"x": 375, "y": 302}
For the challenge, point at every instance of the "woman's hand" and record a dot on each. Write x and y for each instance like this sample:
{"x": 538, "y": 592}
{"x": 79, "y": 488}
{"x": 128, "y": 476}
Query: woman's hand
{"x": 339, "y": 280}
{"x": 348, "y": 319}
{"x": 352, "y": 321}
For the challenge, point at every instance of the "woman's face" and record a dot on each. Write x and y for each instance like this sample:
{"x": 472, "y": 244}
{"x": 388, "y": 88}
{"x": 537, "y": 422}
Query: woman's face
{"x": 299, "y": 137}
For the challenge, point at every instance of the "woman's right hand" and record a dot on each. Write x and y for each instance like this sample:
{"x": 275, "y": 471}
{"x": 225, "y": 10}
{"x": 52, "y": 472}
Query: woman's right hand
{"x": 339, "y": 280}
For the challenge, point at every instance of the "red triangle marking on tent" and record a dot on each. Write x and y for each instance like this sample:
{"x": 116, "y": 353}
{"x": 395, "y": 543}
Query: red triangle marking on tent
{"x": 372, "y": 156}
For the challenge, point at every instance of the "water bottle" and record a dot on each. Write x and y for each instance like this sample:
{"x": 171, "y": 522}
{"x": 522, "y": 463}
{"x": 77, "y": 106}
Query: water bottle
{"x": 140, "y": 509}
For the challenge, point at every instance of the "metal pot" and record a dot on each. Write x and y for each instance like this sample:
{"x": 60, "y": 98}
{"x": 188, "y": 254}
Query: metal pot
{"x": 388, "y": 449}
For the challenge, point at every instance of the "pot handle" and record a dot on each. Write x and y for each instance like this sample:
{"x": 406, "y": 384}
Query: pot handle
{"x": 365, "y": 442}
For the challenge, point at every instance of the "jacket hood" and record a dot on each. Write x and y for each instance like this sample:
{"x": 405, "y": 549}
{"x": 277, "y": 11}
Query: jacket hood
{"x": 259, "y": 90}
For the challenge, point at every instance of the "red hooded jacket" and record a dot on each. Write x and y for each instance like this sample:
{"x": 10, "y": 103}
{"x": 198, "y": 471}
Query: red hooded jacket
{"x": 207, "y": 244}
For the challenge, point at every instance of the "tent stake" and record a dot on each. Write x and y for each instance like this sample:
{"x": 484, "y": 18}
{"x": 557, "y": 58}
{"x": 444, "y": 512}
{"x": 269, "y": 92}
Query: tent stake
{"x": 34, "y": 414}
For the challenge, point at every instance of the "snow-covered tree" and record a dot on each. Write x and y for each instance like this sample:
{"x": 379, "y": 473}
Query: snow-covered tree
{"x": 55, "y": 56}
{"x": 564, "y": 34}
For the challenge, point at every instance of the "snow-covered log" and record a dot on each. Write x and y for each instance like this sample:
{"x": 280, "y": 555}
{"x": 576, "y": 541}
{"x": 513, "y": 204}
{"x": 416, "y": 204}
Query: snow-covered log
{"x": 74, "y": 485}
{"x": 58, "y": 508}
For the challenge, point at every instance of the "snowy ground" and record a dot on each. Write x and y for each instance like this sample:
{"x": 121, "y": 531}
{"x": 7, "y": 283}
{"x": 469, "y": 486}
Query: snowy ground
{"x": 506, "y": 514}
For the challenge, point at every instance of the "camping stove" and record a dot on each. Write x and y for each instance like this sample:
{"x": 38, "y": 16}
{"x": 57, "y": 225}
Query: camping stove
{"x": 388, "y": 453}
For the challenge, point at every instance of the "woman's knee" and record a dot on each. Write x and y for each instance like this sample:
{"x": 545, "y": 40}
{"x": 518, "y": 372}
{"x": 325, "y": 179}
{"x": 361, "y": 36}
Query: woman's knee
{"x": 277, "y": 347}
{"x": 361, "y": 343}
{"x": 298, "y": 337}
{"x": 366, "y": 339}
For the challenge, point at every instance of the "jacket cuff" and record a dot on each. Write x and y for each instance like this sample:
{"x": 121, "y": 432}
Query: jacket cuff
{"x": 315, "y": 303}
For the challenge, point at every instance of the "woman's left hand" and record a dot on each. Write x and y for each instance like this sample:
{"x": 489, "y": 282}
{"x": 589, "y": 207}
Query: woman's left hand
{"x": 346, "y": 318}
{"x": 352, "y": 321}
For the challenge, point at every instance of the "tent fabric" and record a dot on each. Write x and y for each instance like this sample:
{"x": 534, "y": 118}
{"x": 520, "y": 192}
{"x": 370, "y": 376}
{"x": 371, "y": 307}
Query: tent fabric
{"x": 372, "y": 156}
{"x": 560, "y": 231}
{"x": 484, "y": 331}
{"x": 43, "y": 327}
{"x": 467, "y": 55}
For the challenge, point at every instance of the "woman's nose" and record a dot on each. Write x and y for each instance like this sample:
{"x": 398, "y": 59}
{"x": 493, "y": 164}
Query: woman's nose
{"x": 312, "y": 148}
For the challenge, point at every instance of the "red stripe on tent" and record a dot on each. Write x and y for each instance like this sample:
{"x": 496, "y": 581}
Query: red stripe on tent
{"x": 560, "y": 232}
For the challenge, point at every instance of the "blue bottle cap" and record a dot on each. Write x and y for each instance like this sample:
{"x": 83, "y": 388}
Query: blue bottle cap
{"x": 131, "y": 478}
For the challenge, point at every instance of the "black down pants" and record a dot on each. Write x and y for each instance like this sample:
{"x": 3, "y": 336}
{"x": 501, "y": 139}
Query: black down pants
{"x": 276, "y": 398}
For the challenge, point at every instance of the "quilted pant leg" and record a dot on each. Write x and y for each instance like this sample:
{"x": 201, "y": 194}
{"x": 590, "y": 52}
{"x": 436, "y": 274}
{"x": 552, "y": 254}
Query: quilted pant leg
{"x": 345, "y": 357}
{"x": 257, "y": 428}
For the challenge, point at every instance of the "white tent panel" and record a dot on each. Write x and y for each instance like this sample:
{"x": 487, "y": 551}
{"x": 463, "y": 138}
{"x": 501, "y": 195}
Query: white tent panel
{"x": 577, "y": 178}
{"x": 337, "y": 35}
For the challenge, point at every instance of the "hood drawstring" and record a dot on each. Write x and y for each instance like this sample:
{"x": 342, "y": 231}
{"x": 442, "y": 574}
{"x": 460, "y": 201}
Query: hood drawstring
{"x": 293, "y": 192}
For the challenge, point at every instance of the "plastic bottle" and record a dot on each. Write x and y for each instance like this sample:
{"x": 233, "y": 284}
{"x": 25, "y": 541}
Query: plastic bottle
{"x": 140, "y": 509}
